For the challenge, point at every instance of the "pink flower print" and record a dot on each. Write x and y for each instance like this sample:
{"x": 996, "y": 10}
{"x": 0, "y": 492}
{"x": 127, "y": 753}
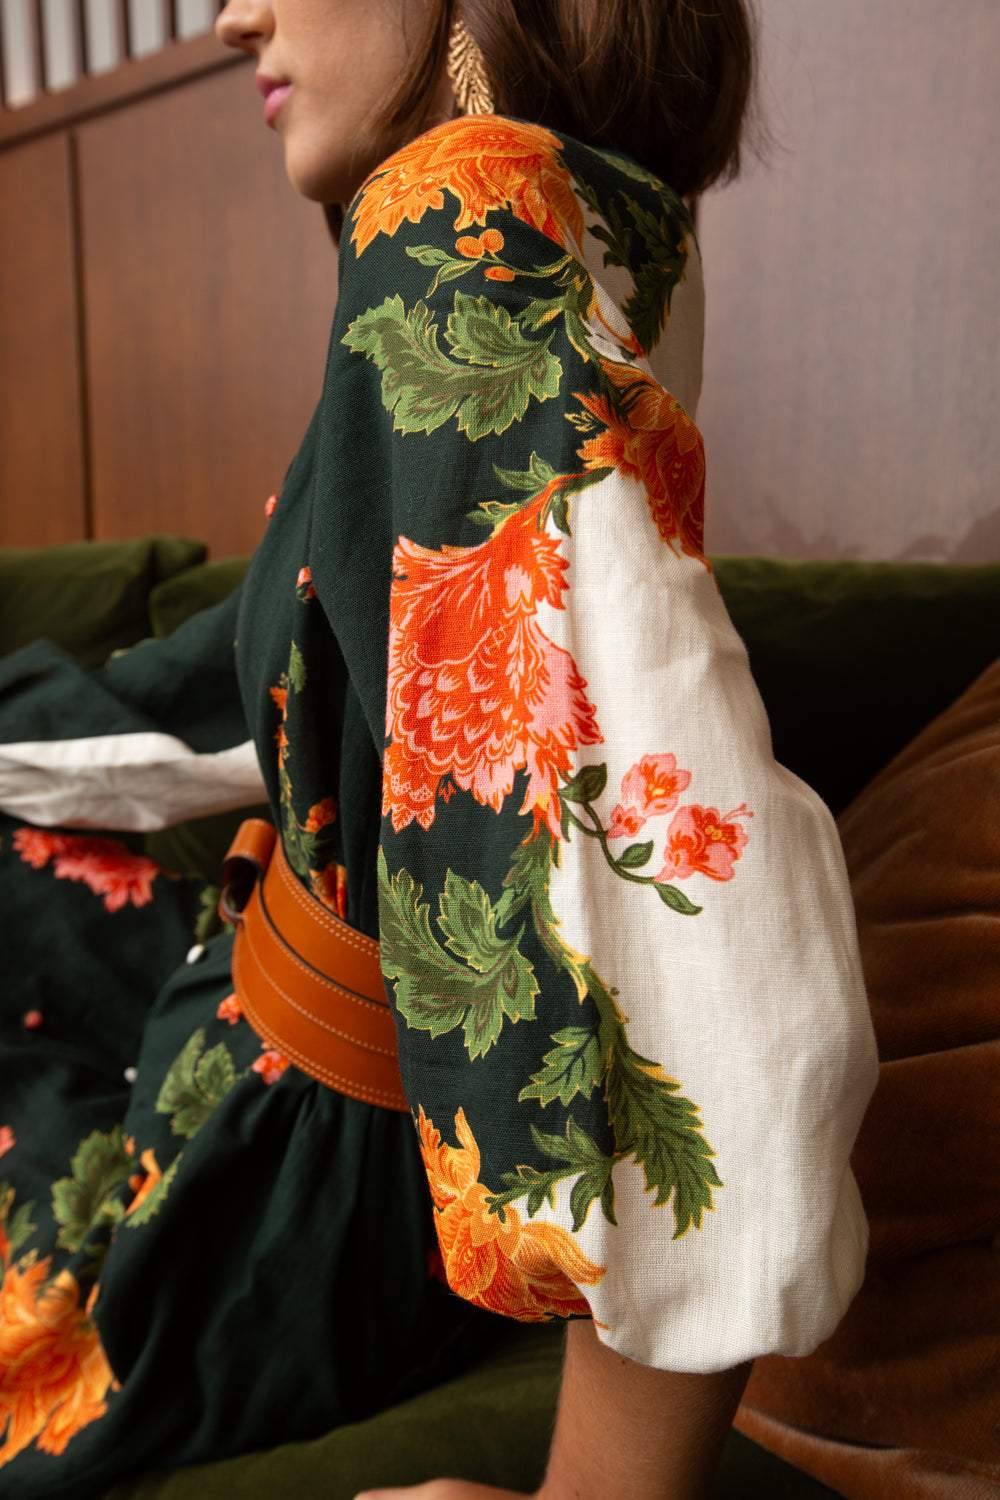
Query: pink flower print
{"x": 35, "y": 847}
{"x": 649, "y": 788}
{"x": 229, "y": 1009}
{"x": 8, "y": 1140}
{"x": 269, "y": 505}
{"x": 107, "y": 867}
{"x": 270, "y": 1065}
{"x": 625, "y": 822}
{"x": 304, "y": 584}
{"x": 700, "y": 842}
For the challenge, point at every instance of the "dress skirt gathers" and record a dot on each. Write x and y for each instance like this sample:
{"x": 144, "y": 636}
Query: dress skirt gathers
{"x": 481, "y": 671}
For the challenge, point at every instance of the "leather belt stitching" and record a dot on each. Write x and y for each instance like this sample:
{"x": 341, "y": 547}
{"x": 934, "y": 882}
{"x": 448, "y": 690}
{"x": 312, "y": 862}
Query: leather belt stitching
{"x": 362, "y": 1001}
{"x": 312, "y": 1069}
{"x": 342, "y": 930}
{"x": 317, "y": 1021}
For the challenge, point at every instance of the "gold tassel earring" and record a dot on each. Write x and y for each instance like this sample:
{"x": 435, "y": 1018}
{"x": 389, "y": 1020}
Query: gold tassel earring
{"x": 467, "y": 72}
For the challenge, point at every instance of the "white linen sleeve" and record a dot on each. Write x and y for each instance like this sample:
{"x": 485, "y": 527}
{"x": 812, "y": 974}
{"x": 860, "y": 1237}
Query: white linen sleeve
{"x": 755, "y": 1005}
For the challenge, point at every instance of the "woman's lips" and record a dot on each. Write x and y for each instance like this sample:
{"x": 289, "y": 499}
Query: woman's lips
{"x": 275, "y": 100}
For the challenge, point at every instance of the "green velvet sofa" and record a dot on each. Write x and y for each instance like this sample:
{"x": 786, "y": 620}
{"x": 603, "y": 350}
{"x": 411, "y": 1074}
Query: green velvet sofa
{"x": 851, "y": 658}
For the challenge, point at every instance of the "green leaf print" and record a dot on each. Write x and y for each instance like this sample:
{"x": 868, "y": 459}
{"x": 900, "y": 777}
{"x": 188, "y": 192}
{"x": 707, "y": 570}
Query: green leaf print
{"x": 208, "y": 921}
{"x": 17, "y": 1227}
{"x": 578, "y": 1154}
{"x": 661, "y": 1133}
{"x": 532, "y": 479}
{"x": 636, "y": 855}
{"x": 676, "y": 900}
{"x": 450, "y": 267}
{"x": 195, "y": 1084}
{"x": 488, "y": 378}
{"x": 651, "y": 248}
{"x": 153, "y": 1201}
{"x": 296, "y": 668}
{"x": 436, "y": 992}
{"x": 574, "y": 1066}
{"x": 99, "y": 1167}
{"x": 586, "y": 786}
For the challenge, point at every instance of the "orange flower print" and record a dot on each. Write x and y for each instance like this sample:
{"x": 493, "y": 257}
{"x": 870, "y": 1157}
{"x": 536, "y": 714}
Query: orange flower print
{"x": 330, "y": 885}
{"x": 229, "y": 1009}
{"x": 279, "y": 696}
{"x": 142, "y": 1184}
{"x": 657, "y": 443}
{"x": 304, "y": 585}
{"x": 8, "y": 1139}
{"x": 105, "y": 866}
{"x": 320, "y": 815}
{"x": 487, "y": 163}
{"x": 271, "y": 1064}
{"x": 527, "y": 1271}
{"x": 476, "y": 690}
{"x": 700, "y": 842}
{"x": 649, "y": 788}
{"x": 490, "y": 242}
{"x": 270, "y": 504}
{"x": 54, "y": 1374}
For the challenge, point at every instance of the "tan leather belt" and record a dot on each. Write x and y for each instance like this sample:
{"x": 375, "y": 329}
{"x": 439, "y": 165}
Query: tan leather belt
{"x": 308, "y": 983}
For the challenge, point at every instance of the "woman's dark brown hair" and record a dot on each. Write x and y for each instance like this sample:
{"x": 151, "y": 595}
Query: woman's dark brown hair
{"x": 671, "y": 83}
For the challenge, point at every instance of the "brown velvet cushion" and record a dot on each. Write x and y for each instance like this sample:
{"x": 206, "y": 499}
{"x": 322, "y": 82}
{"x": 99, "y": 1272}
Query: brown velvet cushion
{"x": 914, "y": 1366}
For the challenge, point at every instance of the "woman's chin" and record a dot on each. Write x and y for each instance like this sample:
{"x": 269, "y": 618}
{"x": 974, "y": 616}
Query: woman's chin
{"x": 313, "y": 175}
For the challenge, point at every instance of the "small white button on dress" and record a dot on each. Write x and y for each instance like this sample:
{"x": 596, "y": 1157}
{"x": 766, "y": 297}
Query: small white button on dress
{"x": 131, "y": 1074}
{"x": 193, "y": 954}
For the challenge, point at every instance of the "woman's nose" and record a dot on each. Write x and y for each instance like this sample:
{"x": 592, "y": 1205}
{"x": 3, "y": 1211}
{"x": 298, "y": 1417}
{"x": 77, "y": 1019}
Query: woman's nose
{"x": 242, "y": 22}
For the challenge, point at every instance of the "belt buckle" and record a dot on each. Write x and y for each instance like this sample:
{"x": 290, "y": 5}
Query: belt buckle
{"x": 245, "y": 863}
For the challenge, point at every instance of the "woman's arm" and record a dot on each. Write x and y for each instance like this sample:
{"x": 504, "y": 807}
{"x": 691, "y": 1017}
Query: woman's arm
{"x": 624, "y": 1428}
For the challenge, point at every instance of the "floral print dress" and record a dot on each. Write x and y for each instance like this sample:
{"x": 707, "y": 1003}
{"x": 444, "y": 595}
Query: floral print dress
{"x": 505, "y": 724}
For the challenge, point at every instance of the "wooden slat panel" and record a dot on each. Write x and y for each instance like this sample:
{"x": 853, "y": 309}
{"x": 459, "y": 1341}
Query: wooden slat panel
{"x": 210, "y": 289}
{"x": 133, "y": 79}
{"x": 42, "y": 477}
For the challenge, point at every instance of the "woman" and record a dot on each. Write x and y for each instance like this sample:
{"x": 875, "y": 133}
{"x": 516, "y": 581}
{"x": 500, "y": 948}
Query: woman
{"x": 522, "y": 777}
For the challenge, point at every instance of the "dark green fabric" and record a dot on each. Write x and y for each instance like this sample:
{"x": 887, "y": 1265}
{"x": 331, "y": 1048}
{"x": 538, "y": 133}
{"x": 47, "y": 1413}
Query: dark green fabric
{"x": 491, "y": 1425}
{"x": 87, "y": 597}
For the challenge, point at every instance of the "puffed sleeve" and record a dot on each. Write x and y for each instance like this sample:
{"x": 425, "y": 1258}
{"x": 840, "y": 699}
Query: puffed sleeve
{"x": 618, "y": 936}
{"x": 156, "y": 735}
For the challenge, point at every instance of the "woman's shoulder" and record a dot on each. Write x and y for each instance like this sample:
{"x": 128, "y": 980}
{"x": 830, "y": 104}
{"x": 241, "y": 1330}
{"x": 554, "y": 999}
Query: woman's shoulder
{"x": 471, "y": 182}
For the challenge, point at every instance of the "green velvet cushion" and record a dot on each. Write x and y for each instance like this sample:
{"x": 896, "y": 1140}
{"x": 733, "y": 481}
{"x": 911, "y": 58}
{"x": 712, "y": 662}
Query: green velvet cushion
{"x": 492, "y": 1424}
{"x": 852, "y": 659}
{"x": 89, "y": 598}
{"x": 185, "y": 593}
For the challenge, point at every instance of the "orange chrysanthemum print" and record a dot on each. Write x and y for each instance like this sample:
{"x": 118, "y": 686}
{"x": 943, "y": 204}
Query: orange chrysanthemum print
{"x": 657, "y": 443}
{"x": 476, "y": 689}
{"x": 487, "y": 162}
{"x": 526, "y": 1271}
{"x": 54, "y": 1374}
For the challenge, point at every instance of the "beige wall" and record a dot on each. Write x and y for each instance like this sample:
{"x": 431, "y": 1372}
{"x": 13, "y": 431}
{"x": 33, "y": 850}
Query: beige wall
{"x": 851, "y": 402}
